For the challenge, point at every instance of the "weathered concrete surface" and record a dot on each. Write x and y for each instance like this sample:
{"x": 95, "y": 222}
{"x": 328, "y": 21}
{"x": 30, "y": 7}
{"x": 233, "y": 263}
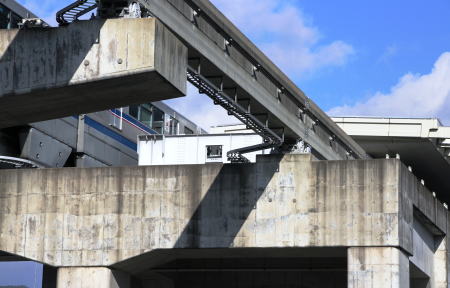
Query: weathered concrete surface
{"x": 86, "y": 67}
{"x": 106, "y": 216}
{"x": 92, "y": 277}
{"x": 376, "y": 267}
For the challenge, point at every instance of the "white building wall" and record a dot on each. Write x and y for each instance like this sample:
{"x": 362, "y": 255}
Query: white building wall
{"x": 187, "y": 149}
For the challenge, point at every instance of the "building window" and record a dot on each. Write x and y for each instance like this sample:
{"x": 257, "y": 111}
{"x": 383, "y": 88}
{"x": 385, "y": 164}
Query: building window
{"x": 188, "y": 131}
{"x": 214, "y": 152}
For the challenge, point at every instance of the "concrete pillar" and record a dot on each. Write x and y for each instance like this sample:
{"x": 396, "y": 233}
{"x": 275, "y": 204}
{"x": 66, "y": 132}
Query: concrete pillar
{"x": 92, "y": 277}
{"x": 375, "y": 267}
{"x": 440, "y": 263}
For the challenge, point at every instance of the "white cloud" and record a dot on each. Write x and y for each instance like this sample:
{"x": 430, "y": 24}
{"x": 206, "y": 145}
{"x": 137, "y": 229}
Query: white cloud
{"x": 200, "y": 109}
{"x": 388, "y": 53}
{"x": 284, "y": 33}
{"x": 413, "y": 96}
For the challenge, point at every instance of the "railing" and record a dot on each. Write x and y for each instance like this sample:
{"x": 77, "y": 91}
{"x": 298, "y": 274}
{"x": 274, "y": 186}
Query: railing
{"x": 74, "y": 11}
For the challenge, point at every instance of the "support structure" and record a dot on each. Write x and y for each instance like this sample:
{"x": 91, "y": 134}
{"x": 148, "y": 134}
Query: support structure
{"x": 87, "y": 66}
{"x": 92, "y": 277}
{"x": 285, "y": 219}
{"x": 374, "y": 267}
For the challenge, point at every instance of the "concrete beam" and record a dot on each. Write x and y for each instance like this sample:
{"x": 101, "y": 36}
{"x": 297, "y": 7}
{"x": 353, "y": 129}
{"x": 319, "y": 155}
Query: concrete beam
{"x": 86, "y": 67}
{"x": 102, "y": 216}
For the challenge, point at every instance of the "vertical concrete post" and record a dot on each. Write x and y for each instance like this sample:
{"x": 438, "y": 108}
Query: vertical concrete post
{"x": 375, "y": 267}
{"x": 92, "y": 277}
{"x": 440, "y": 264}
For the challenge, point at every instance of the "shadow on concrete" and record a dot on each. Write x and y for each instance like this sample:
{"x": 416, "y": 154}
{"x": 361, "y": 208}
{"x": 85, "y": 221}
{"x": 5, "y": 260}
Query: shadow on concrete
{"x": 219, "y": 217}
{"x": 40, "y": 58}
{"x": 227, "y": 205}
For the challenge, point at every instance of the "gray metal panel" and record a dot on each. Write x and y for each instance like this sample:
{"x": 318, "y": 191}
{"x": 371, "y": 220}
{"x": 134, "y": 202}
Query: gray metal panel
{"x": 106, "y": 118}
{"x": 86, "y": 161}
{"x": 43, "y": 149}
{"x": 94, "y": 137}
{"x": 64, "y": 129}
{"x": 107, "y": 150}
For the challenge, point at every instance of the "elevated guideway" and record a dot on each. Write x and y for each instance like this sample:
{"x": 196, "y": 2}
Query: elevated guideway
{"x": 219, "y": 60}
{"x": 221, "y": 54}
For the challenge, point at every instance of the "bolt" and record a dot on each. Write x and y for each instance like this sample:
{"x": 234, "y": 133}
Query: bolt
{"x": 119, "y": 60}
{"x": 86, "y": 62}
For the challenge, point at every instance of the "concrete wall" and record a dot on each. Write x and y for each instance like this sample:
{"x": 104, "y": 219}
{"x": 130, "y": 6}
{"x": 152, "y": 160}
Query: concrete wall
{"x": 91, "y": 217}
{"x": 55, "y": 72}
{"x": 376, "y": 267}
{"x": 100, "y": 277}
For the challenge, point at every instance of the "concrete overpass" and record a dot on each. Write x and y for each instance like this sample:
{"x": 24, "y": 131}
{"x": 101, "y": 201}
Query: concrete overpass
{"x": 76, "y": 71}
{"x": 282, "y": 222}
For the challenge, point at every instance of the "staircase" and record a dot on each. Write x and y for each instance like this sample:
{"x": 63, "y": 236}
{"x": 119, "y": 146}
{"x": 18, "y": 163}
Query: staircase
{"x": 75, "y": 10}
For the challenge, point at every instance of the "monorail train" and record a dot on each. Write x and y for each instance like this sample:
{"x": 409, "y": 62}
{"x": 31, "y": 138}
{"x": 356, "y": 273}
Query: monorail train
{"x": 106, "y": 138}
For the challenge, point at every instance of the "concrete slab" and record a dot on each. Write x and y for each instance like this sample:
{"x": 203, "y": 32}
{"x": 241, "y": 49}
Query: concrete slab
{"x": 86, "y": 67}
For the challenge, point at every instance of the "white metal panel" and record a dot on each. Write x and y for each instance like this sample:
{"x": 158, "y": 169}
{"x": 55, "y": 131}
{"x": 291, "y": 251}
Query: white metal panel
{"x": 173, "y": 150}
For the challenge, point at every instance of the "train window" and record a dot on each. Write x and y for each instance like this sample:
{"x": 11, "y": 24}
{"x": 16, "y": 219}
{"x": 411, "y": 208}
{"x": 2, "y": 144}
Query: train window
{"x": 158, "y": 120}
{"x": 145, "y": 116}
{"x": 134, "y": 111}
{"x": 143, "y": 113}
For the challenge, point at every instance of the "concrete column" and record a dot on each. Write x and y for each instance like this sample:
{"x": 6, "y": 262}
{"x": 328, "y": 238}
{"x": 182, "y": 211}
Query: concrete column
{"x": 92, "y": 277}
{"x": 375, "y": 267}
{"x": 440, "y": 261}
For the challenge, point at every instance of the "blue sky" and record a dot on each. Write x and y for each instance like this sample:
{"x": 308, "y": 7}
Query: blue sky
{"x": 352, "y": 57}
{"x": 28, "y": 274}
